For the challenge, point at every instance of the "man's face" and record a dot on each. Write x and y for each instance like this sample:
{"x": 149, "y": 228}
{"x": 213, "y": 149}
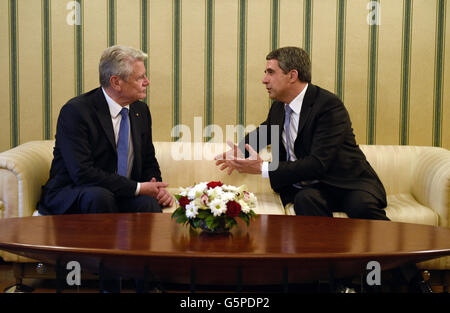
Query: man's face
{"x": 134, "y": 88}
{"x": 276, "y": 81}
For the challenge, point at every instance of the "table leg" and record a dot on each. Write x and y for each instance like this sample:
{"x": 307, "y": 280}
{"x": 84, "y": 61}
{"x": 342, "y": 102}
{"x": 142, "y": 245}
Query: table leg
{"x": 192, "y": 282}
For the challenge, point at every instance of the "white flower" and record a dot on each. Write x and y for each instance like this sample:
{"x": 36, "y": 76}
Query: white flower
{"x": 217, "y": 207}
{"x": 197, "y": 191}
{"x": 183, "y": 192}
{"x": 214, "y": 192}
{"x": 191, "y": 210}
{"x": 230, "y": 188}
{"x": 244, "y": 206}
{"x": 227, "y": 196}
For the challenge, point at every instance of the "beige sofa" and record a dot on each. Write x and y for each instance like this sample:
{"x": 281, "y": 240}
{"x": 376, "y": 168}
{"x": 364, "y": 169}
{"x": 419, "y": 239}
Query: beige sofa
{"x": 416, "y": 179}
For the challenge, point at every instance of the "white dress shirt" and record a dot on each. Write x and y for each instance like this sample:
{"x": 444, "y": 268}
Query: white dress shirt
{"x": 296, "y": 106}
{"x": 116, "y": 117}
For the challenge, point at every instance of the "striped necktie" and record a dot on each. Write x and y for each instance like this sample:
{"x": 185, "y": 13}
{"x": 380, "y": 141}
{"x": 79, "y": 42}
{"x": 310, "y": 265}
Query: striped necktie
{"x": 287, "y": 128}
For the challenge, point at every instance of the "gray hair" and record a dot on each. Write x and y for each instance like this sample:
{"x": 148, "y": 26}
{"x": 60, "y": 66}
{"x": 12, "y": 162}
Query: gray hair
{"x": 293, "y": 58}
{"x": 117, "y": 60}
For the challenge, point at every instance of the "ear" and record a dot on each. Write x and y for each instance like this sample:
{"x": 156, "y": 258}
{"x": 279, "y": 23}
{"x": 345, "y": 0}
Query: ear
{"x": 294, "y": 76}
{"x": 114, "y": 81}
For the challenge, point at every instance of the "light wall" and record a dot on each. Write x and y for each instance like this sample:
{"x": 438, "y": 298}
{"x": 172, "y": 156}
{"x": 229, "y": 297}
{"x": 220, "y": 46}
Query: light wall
{"x": 207, "y": 57}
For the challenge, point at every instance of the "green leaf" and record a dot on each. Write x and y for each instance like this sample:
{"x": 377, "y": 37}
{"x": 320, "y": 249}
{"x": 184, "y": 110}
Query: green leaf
{"x": 211, "y": 222}
{"x": 203, "y": 214}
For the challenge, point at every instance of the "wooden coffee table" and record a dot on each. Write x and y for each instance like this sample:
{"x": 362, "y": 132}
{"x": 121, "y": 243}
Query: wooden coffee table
{"x": 273, "y": 249}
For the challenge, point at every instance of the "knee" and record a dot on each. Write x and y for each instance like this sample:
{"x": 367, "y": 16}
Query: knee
{"x": 97, "y": 200}
{"x": 364, "y": 206}
{"x": 304, "y": 200}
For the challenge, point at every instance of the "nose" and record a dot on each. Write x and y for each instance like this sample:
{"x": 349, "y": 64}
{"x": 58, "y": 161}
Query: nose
{"x": 265, "y": 79}
{"x": 146, "y": 81}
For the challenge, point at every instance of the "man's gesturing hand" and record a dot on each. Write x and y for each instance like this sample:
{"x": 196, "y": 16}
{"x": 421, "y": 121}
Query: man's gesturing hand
{"x": 234, "y": 160}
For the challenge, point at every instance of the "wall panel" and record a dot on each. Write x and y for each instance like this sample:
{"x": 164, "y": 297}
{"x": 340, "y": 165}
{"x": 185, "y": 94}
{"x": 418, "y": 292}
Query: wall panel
{"x": 389, "y": 74}
{"x": 258, "y": 46}
{"x": 445, "y": 113}
{"x": 63, "y": 59}
{"x": 30, "y": 69}
{"x": 95, "y": 40}
{"x": 5, "y": 79}
{"x": 225, "y": 63}
{"x": 291, "y": 23}
{"x": 160, "y": 67}
{"x": 207, "y": 57}
{"x": 422, "y": 72}
{"x": 356, "y": 67}
{"x": 323, "y": 54}
{"x": 193, "y": 64}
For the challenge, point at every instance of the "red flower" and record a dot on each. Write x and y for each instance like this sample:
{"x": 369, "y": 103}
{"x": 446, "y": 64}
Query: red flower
{"x": 184, "y": 201}
{"x": 233, "y": 208}
{"x": 214, "y": 184}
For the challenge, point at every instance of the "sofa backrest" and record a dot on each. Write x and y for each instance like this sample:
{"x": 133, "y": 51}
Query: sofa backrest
{"x": 401, "y": 169}
{"x": 185, "y": 164}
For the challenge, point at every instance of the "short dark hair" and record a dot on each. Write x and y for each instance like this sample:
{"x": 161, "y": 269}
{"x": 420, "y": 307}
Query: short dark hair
{"x": 293, "y": 58}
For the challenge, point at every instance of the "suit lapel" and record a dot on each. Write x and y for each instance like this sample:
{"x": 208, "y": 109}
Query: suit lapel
{"x": 134, "y": 122}
{"x": 104, "y": 116}
{"x": 308, "y": 101}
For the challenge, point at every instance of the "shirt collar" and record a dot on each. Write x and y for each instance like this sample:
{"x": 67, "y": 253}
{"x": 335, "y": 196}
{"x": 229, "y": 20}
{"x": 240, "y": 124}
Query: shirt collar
{"x": 296, "y": 104}
{"x": 114, "y": 107}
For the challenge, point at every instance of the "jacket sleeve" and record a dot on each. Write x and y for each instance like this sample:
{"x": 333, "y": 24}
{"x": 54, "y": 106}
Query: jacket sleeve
{"x": 150, "y": 166}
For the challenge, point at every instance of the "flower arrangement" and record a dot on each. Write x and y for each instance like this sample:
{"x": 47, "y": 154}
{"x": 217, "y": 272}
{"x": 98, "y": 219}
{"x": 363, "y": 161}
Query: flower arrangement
{"x": 214, "y": 206}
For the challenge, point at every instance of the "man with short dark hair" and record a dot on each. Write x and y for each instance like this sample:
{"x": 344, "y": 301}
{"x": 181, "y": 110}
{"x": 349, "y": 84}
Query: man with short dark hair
{"x": 104, "y": 159}
{"x": 321, "y": 168}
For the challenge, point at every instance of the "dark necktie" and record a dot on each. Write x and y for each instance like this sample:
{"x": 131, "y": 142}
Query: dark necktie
{"x": 287, "y": 123}
{"x": 122, "y": 144}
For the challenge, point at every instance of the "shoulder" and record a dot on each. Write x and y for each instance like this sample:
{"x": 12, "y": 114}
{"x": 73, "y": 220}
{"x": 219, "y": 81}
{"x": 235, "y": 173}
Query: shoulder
{"x": 85, "y": 99}
{"x": 83, "y": 104}
{"x": 321, "y": 94}
{"x": 140, "y": 106}
{"x": 277, "y": 106}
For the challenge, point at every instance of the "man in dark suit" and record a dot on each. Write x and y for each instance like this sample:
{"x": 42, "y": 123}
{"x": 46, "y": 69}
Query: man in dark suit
{"x": 321, "y": 169}
{"x": 104, "y": 158}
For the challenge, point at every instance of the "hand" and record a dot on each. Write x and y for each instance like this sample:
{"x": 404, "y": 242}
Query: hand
{"x": 224, "y": 158}
{"x": 152, "y": 188}
{"x": 165, "y": 199}
{"x": 234, "y": 160}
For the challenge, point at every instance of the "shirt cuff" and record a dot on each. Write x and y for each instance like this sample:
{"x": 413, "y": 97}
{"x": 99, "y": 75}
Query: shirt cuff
{"x": 265, "y": 170}
{"x": 138, "y": 188}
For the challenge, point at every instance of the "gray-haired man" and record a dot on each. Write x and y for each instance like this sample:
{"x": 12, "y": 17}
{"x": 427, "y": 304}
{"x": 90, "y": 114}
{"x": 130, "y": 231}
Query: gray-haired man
{"x": 104, "y": 159}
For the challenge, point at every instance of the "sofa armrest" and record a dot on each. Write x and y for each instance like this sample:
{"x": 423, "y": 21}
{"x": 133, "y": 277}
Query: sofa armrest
{"x": 23, "y": 171}
{"x": 431, "y": 182}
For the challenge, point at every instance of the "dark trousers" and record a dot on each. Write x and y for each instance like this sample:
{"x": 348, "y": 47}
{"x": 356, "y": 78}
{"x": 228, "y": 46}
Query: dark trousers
{"x": 322, "y": 200}
{"x": 101, "y": 200}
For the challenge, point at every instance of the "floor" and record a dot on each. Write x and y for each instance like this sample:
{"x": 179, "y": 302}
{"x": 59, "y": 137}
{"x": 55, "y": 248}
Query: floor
{"x": 439, "y": 284}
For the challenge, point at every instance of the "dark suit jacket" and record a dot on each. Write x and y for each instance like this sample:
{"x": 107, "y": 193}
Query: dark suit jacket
{"x": 325, "y": 147}
{"x": 85, "y": 152}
